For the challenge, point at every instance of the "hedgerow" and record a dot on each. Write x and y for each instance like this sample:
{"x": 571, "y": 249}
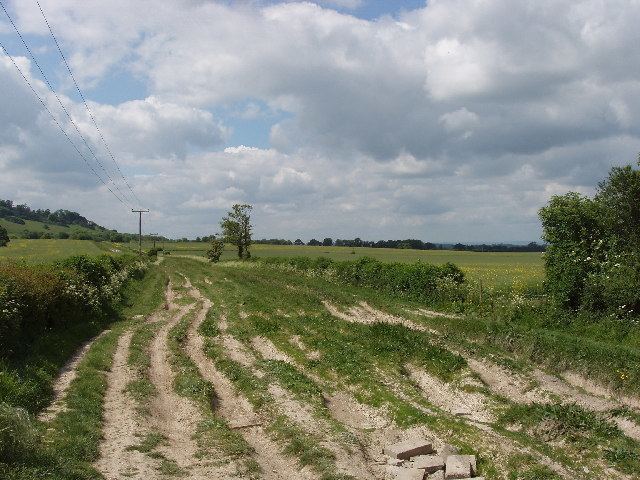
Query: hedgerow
{"x": 434, "y": 284}
{"x": 46, "y": 310}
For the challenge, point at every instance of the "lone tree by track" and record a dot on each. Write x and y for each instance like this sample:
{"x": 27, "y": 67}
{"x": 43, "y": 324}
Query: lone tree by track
{"x": 236, "y": 228}
{"x": 4, "y": 237}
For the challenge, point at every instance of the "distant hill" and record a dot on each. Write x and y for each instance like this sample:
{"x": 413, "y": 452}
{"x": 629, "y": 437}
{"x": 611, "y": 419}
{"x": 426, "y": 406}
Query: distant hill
{"x": 23, "y": 222}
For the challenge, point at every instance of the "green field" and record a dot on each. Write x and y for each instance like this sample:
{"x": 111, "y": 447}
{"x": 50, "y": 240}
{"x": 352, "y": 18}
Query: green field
{"x": 16, "y": 229}
{"x": 44, "y": 251}
{"x": 517, "y": 270}
{"x": 494, "y": 269}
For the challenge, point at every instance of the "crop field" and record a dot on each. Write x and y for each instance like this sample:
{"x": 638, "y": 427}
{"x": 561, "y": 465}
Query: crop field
{"x": 33, "y": 226}
{"x": 255, "y": 371}
{"x": 44, "y": 251}
{"x": 516, "y": 270}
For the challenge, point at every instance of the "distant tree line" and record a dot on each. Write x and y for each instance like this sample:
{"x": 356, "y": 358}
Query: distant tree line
{"x": 410, "y": 243}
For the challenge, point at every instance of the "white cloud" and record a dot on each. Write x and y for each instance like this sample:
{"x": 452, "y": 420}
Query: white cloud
{"x": 459, "y": 118}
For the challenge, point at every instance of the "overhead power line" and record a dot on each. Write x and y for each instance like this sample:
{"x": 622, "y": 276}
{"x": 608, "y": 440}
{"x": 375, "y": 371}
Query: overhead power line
{"x": 64, "y": 109}
{"x": 55, "y": 120}
{"x": 95, "y": 123}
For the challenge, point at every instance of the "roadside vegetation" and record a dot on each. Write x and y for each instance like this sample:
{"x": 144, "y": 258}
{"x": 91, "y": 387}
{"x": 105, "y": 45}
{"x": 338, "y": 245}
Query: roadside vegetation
{"x": 52, "y": 310}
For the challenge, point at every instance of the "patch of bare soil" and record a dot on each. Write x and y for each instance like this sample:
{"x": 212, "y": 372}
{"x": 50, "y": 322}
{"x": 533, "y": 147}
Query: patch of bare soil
{"x": 122, "y": 427}
{"x": 505, "y": 383}
{"x": 433, "y": 313}
{"x": 545, "y": 388}
{"x": 239, "y": 413}
{"x": 471, "y": 405}
{"x": 366, "y": 314}
{"x": 296, "y": 341}
{"x": 348, "y": 411}
{"x": 356, "y": 460}
{"x": 593, "y": 388}
{"x": 65, "y": 377}
{"x": 269, "y": 351}
{"x": 236, "y": 351}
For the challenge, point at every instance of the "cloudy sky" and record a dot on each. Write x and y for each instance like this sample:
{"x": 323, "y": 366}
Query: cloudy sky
{"x": 446, "y": 120}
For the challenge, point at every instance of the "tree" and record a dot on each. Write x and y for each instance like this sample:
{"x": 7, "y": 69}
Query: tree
{"x": 593, "y": 258}
{"x": 236, "y": 228}
{"x": 4, "y": 237}
{"x": 314, "y": 243}
{"x": 298, "y": 242}
{"x": 327, "y": 242}
{"x": 215, "y": 252}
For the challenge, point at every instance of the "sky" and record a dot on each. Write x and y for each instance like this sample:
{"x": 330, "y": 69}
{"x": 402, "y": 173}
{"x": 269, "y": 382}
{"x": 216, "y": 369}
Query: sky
{"x": 446, "y": 120}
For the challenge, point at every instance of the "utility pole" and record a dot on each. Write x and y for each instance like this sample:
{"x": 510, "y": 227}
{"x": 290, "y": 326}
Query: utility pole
{"x": 140, "y": 212}
{"x": 154, "y": 236}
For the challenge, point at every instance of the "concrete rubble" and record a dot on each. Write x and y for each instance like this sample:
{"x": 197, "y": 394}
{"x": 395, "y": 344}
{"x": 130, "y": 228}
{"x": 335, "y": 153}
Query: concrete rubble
{"x": 417, "y": 460}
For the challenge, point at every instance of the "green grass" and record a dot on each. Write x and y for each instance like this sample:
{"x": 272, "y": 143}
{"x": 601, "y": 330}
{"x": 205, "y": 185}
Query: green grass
{"x": 69, "y": 444}
{"x": 46, "y": 251}
{"x": 213, "y": 432}
{"x": 34, "y": 226}
{"x": 518, "y": 270}
{"x": 590, "y": 432}
{"x": 366, "y": 359}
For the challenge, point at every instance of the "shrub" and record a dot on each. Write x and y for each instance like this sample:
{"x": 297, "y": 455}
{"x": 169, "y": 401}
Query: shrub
{"x": 4, "y": 237}
{"x": 593, "y": 258}
{"x": 38, "y": 299}
{"x": 433, "y": 283}
{"x": 215, "y": 252}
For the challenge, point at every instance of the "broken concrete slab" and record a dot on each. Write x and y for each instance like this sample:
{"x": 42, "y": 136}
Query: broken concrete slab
{"x": 428, "y": 463}
{"x": 408, "y": 448}
{"x": 457, "y": 467}
{"x": 472, "y": 461}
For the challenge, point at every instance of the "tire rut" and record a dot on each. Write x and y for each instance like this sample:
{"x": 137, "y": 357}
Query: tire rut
{"x": 66, "y": 375}
{"x": 174, "y": 416}
{"x": 122, "y": 427}
{"x": 237, "y": 410}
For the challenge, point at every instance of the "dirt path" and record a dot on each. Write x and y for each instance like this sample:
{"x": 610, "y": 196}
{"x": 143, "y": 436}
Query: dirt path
{"x": 122, "y": 425}
{"x": 65, "y": 377}
{"x": 176, "y": 417}
{"x": 238, "y": 411}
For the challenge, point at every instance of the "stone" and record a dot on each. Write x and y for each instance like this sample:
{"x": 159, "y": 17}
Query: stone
{"x": 408, "y": 448}
{"x": 395, "y": 461}
{"x": 428, "y": 463}
{"x": 439, "y": 475}
{"x": 472, "y": 461}
{"x": 457, "y": 467}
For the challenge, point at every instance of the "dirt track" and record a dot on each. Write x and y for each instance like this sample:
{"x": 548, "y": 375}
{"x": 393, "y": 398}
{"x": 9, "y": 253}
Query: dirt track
{"x": 352, "y": 432}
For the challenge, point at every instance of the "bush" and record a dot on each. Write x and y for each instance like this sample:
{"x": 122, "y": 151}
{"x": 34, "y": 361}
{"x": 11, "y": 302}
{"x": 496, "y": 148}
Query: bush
{"x": 215, "y": 252}
{"x": 593, "y": 258}
{"x": 38, "y": 299}
{"x": 438, "y": 284}
{"x": 16, "y": 220}
{"x": 4, "y": 237}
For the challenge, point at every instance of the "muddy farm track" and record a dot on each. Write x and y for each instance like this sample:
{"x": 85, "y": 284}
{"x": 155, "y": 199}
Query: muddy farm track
{"x": 247, "y": 372}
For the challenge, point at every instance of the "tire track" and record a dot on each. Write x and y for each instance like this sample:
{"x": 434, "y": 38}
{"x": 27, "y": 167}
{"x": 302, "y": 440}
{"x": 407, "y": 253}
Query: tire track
{"x": 63, "y": 381}
{"x": 122, "y": 426}
{"x": 238, "y": 411}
